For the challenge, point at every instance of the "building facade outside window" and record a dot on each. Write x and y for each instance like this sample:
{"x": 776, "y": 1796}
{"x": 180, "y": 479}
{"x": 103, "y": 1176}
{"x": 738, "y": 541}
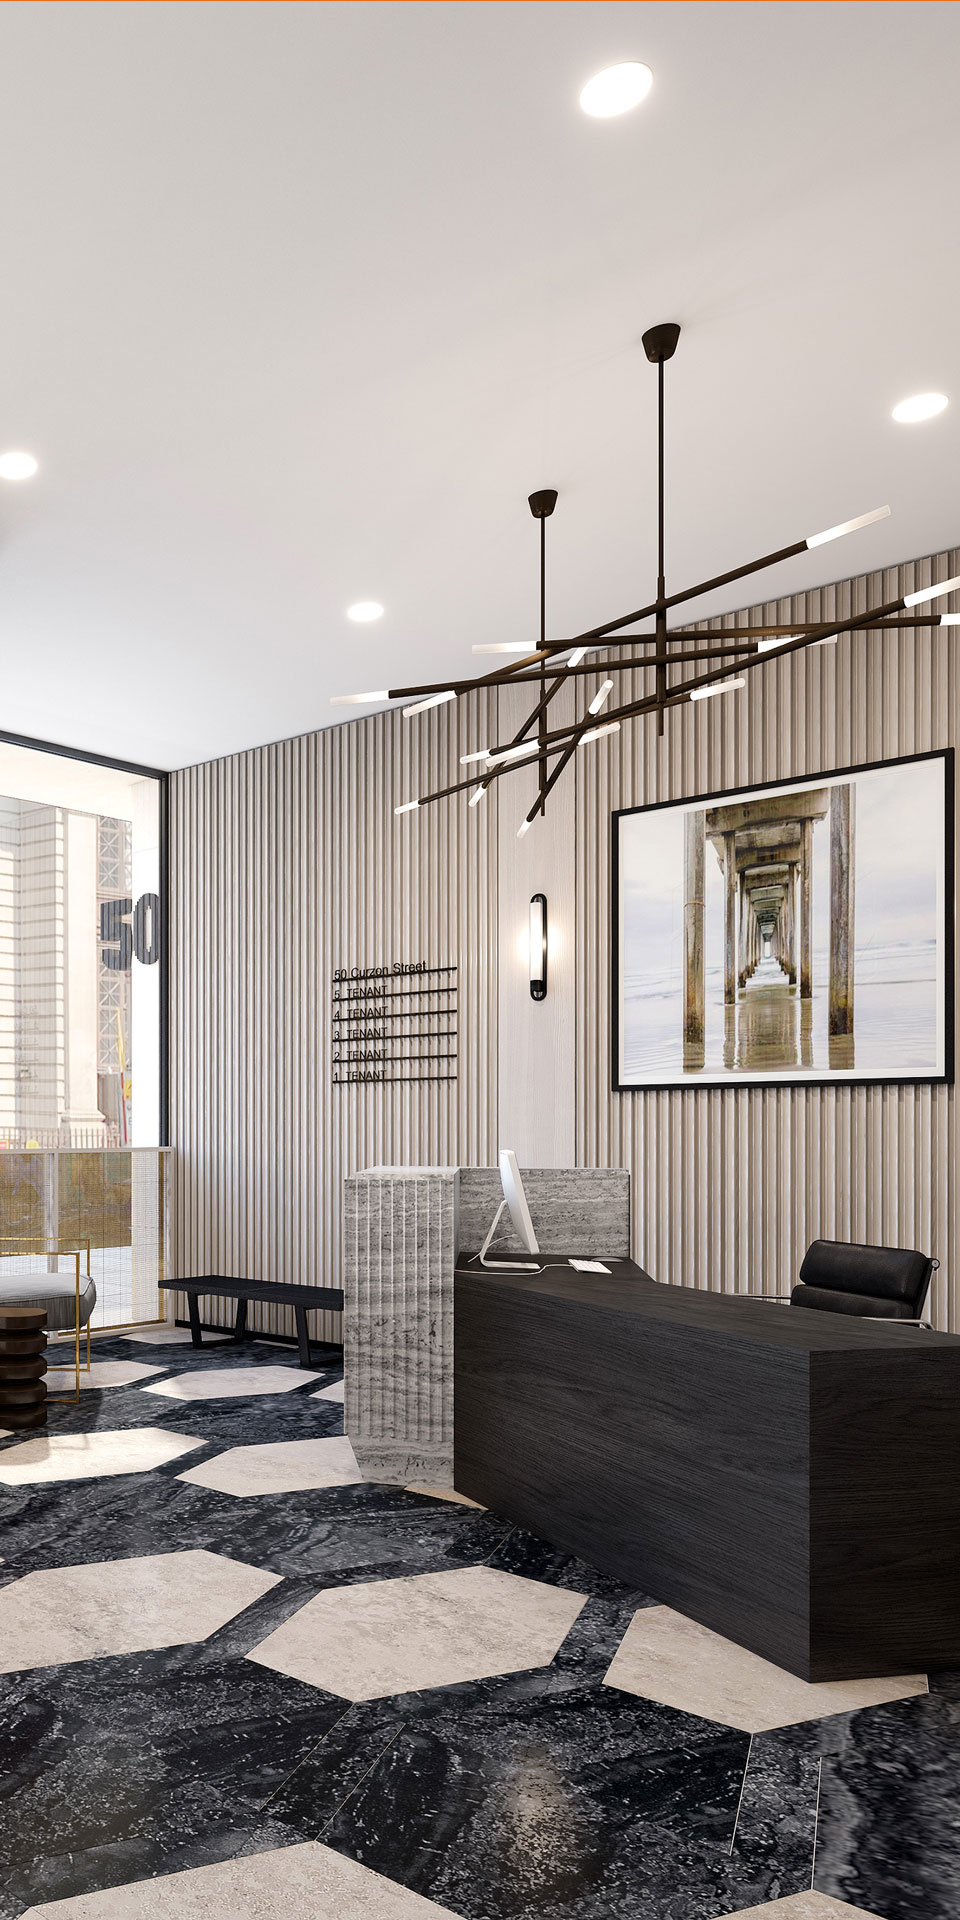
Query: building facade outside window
{"x": 81, "y": 1028}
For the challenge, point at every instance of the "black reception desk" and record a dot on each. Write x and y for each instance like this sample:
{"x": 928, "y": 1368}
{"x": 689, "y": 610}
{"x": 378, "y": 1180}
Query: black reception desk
{"x": 790, "y": 1479}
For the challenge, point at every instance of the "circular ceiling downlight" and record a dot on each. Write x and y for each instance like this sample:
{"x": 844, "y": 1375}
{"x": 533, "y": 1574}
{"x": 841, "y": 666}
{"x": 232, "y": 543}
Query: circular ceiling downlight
{"x": 616, "y": 90}
{"x": 920, "y": 406}
{"x": 17, "y": 466}
{"x": 365, "y": 610}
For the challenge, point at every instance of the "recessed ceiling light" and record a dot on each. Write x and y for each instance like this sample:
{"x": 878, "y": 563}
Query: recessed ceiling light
{"x": 17, "y": 466}
{"x": 920, "y": 406}
{"x": 616, "y": 90}
{"x": 364, "y": 610}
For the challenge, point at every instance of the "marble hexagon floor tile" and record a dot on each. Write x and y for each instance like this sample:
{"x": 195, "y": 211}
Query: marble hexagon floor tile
{"x": 664, "y": 1656}
{"x": 425, "y": 1630}
{"x": 306, "y": 1882}
{"x": 507, "y": 1799}
{"x": 88, "y": 1456}
{"x": 279, "y": 1466}
{"x": 103, "y": 1373}
{"x": 447, "y": 1493}
{"x": 802, "y": 1906}
{"x": 330, "y": 1393}
{"x": 222, "y": 1383}
{"x": 122, "y": 1606}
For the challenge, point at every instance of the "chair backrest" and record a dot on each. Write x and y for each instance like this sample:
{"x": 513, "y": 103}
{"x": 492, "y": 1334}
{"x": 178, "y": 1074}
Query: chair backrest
{"x": 840, "y": 1276}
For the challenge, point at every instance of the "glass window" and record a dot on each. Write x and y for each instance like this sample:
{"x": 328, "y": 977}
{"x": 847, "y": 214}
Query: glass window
{"x": 80, "y": 935}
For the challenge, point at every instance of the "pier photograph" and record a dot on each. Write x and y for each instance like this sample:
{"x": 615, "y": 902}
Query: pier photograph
{"x": 792, "y": 932}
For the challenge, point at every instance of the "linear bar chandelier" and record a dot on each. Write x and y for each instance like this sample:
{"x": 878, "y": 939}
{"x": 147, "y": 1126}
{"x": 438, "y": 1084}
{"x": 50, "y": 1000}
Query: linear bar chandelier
{"x": 721, "y": 656}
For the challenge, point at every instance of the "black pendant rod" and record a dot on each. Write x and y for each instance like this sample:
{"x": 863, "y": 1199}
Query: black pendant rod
{"x": 661, "y": 621}
{"x": 542, "y": 724}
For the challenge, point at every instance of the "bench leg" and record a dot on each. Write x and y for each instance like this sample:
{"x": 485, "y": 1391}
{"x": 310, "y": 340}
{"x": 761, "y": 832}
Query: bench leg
{"x": 240, "y": 1325}
{"x": 303, "y": 1338}
{"x": 194, "y": 1308}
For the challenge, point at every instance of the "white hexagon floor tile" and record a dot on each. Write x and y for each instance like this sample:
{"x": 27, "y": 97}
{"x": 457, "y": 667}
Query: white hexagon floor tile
{"x": 224, "y": 1383}
{"x": 62, "y": 1614}
{"x": 103, "y": 1373}
{"x": 664, "y": 1656}
{"x": 798, "y": 1906}
{"x": 87, "y": 1456}
{"x": 447, "y": 1493}
{"x": 335, "y": 1392}
{"x": 424, "y": 1630}
{"x": 304, "y": 1882}
{"x": 278, "y": 1466}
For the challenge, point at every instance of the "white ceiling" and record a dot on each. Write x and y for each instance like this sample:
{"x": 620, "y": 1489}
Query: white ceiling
{"x": 299, "y": 302}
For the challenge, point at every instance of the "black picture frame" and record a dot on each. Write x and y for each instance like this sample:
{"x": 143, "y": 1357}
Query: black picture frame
{"x": 799, "y": 1080}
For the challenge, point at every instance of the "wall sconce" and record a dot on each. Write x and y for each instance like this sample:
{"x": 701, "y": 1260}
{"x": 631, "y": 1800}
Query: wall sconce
{"x": 538, "y": 947}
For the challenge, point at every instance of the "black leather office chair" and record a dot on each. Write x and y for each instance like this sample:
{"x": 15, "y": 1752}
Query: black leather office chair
{"x": 879, "y": 1283}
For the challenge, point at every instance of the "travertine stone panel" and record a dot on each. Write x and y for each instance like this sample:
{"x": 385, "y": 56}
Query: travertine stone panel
{"x": 579, "y": 1210}
{"x": 400, "y": 1239}
{"x": 402, "y": 1229}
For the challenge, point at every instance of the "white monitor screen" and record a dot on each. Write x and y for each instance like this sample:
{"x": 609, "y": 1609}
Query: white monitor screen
{"x": 516, "y": 1199}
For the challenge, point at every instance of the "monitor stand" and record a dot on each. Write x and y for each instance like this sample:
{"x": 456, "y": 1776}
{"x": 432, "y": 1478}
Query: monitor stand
{"x": 503, "y": 1266}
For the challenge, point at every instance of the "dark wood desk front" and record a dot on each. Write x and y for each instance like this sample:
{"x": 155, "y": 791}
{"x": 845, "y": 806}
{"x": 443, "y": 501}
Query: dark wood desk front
{"x": 790, "y": 1479}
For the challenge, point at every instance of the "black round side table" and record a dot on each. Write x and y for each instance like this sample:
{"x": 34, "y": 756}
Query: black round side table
{"x": 23, "y": 1366}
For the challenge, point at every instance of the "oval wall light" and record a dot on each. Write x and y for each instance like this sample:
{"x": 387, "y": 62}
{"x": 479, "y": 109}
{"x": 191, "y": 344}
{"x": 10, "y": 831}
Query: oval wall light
{"x": 538, "y": 947}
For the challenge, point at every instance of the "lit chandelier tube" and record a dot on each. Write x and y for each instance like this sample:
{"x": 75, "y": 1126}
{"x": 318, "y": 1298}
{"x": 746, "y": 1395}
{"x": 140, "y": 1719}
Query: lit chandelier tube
{"x": 847, "y": 526}
{"x": 600, "y": 696}
{"x": 721, "y": 686}
{"x": 933, "y": 593}
{"x": 597, "y": 733}
{"x": 520, "y": 752}
{"x": 435, "y": 700}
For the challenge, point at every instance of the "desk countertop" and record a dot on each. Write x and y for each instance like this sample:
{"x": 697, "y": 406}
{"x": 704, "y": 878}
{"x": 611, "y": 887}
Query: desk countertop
{"x": 628, "y": 1289}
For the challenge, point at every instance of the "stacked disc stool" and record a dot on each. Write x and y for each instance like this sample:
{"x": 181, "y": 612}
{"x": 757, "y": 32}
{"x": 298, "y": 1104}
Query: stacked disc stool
{"x": 23, "y": 1365}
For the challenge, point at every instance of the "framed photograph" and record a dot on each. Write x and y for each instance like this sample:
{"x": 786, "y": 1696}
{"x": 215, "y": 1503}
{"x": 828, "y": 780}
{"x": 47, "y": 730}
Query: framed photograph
{"x": 794, "y": 933}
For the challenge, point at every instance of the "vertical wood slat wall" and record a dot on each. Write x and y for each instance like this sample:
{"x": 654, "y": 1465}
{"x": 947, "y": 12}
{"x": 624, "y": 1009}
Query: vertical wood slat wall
{"x": 287, "y": 862}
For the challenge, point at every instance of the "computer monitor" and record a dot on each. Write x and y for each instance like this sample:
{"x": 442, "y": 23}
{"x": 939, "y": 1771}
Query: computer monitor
{"x": 515, "y": 1202}
{"x": 516, "y": 1199}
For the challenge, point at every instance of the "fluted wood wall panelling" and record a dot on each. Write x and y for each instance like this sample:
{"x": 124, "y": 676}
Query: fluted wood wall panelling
{"x": 287, "y": 862}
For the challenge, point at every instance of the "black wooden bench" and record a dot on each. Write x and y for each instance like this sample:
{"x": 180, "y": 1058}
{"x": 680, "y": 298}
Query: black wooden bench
{"x": 303, "y": 1300}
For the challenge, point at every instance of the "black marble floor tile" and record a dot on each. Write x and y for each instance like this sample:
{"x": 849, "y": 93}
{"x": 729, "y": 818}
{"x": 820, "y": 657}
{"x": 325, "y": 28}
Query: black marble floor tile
{"x": 192, "y": 1826}
{"x": 522, "y": 1553}
{"x": 99, "y": 1742}
{"x": 888, "y": 1835}
{"x": 511, "y": 1799}
{"x": 776, "y": 1823}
